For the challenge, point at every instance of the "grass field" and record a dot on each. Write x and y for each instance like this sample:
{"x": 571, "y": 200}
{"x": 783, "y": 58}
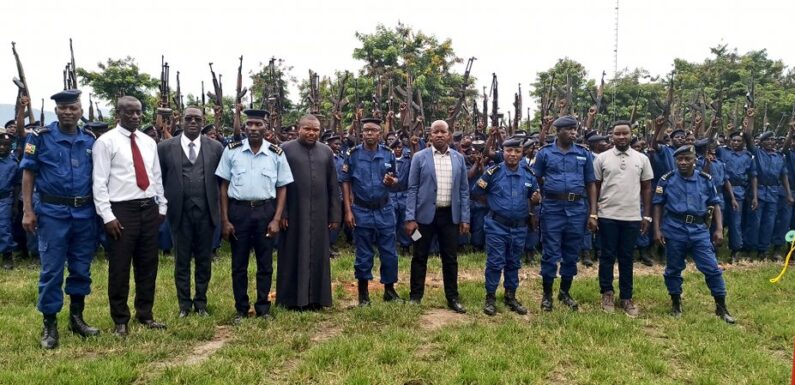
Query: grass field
{"x": 405, "y": 344}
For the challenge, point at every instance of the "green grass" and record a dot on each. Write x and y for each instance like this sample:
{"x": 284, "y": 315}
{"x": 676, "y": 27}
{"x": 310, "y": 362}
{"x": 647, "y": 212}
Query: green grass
{"x": 403, "y": 344}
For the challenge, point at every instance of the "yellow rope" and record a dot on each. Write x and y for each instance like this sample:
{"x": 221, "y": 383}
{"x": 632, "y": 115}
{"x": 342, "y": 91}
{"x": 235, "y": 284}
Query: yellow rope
{"x": 786, "y": 263}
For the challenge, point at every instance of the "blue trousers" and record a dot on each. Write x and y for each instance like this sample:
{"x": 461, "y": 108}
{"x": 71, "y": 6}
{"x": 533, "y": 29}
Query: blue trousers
{"x": 400, "y": 215}
{"x": 783, "y": 222}
{"x": 7, "y": 243}
{"x": 64, "y": 243}
{"x": 734, "y": 222}
{"x": 561, "y": 237}
{"x": 164, "y": 236}
{"x": 367, "y": 240}
{"x": 477, "y": 234}
{"x": 504, "y": 248}
{"x": 765, "y": 222}
{"x": 703, "y": 253}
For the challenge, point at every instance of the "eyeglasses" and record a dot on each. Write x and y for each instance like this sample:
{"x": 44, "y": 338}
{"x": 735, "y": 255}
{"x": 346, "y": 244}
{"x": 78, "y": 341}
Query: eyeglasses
{"x": 193, "y": 118}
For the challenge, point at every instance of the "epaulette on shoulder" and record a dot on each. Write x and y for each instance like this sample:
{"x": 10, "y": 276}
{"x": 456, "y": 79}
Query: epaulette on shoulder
{"x": 278, "y": 150}
{"x": 705, "y": 175}
{"x": 352, "y": 149}
{"x": 234, "y": 145}
{"x": 90, "y": 133}
{"x": 546, "y": 145}
{"x": 584, "y": 147}
{"x": 667, "y": 174}
{"x": 491, "y": 169}
{"x": 40, "y": 130}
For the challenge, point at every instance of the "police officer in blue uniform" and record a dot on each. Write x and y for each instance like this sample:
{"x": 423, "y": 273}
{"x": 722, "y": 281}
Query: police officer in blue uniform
{"x": 402, "y": 164}
{"x": 508, "y": 188}
{"x": 772, "y": 181}
{"x": 253, "y": 193}
{"x": 9, "y": 180}
{"x": 334, "y": 142}
{"x": 741, "y": 172}
{"x": 58, "y": 163}
{"x": 784, "y": 216}
{"x": 689, "y": 200}
{"x": 565, "y": 173}
{"x": 368, "y": 175}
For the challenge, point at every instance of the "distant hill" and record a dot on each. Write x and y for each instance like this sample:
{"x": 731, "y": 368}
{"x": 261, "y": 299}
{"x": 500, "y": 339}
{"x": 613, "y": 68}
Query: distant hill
{"x": 7, "y": 113}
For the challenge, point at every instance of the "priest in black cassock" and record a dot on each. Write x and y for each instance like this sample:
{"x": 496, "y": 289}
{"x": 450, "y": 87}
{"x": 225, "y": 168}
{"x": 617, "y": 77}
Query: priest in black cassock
{"x": 313, "y": 208}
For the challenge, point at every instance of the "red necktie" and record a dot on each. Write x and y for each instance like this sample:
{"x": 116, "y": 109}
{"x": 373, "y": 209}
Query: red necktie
{"x": 138, "y": 163}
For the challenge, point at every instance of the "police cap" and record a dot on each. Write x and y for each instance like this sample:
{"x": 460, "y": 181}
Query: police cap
{"x": 66, "y": 97}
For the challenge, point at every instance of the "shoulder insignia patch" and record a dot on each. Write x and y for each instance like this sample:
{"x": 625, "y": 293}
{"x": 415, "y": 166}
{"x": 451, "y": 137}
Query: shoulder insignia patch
{"x": 30, "y": 148}
{"x": 482, "y": 184}
{"x": 659, "y": 190}
{"x": 668, "y": 174}
{"x": 491, "y": 170}
{"x": 40, "y": 130}
{"x": 278, "y": 150}
{"x": 345, "y": 167}
{"x": 234, "y": 145}
{"x": 352, "y": 149}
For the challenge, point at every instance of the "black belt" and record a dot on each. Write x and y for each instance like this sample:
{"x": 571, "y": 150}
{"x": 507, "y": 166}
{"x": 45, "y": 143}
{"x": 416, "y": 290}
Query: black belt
{"x": 508, "y": 222}
{"x": 770, "y": 184}
{"x": 250, "y": 203}
{"x": 6, "y": 194}
{"x": 570, "y": 197}
{"x": 738, "y": 182}
{"x": 687, "y": 218}
{"x": 371, "y": 205}
{"x": 66, "y": 201}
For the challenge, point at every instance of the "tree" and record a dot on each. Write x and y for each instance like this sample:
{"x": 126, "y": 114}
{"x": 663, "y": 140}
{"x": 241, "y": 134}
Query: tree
{"x": 117, "y": 78}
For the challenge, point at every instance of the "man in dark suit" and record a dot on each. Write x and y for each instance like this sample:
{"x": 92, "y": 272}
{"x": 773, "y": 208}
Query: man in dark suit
{"x": 437, "y": 203}
{"x": 188, "y": 162}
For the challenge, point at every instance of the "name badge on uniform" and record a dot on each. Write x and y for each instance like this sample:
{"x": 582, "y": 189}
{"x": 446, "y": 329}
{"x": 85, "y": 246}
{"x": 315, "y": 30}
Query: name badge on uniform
{"x": 345, "y": 167}
{"x": 482, "y": 183}
{"x": 580, "y": 158}
{"x": 527, "y": 184}
{"x": 387, "y": 165}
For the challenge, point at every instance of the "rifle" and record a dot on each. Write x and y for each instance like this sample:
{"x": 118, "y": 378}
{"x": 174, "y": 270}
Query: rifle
{"x": 164, "y": 91}
{"x": 314, "y": 93}
{"x": 178, "y": 97}
{"x": 669, "y": 100}
{"x": 634, "y": 108}
{"x": 22, "y": 82}
{"x": 750, "y": 103}
{"x": 485, "y": 108}
{"x": 475, "y": 113}
{"x": 204, "y": 100}
{"x": 72, "y": 67}
{"x": 41, "y": 114}
{"x": 90, "y": 109}
{"x": 375, "y": 107}
{"x": 452, "y": 115}
{"x": 99, "y": 112}
{"x": 495, "y": 115}
{"x": 717, "y": 107}
{"x": 339, "y": 102}
{"x": 422, "y": 109}
{"x": 390, "y": 116}
{"x": 240, "y": 92}
{"x": 517, "y": 105}
{"x": 217, "y": 94}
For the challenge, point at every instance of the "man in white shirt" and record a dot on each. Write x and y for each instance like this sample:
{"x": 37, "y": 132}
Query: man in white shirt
{"x": 623, "y": 178}
{"x": 128, "y": 195}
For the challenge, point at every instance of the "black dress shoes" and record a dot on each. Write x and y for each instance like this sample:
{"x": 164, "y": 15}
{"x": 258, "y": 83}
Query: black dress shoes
{"x": 183, "y": 313}
{"x": 456, "y": 306}
{"x": 49, "y": 334}
{"x": 202, "y": 312}
{"x": 120, "y": 330}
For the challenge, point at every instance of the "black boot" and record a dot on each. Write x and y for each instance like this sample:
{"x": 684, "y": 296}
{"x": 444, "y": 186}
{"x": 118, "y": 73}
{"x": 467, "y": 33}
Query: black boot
{"x": 490, "y": 308}
{"x": 585, "y": 257}
{"x": 563, "y": 296}
{"x": 364, "y": 294}
{"x": 49, "y": 333}
{"x": 390, "y": 294}
{"x": 76, "y": 323}
{"x": 676, "y": 305}
{"x": 721, "y": 310}
{"x": 645, "y": 257}
{"x": 513, "y": 304}
{"x": 8, "y": 260}
{"x": 775, "y": 256}
{"x": 735, "y": 257}
{"x": 546, "y": 299}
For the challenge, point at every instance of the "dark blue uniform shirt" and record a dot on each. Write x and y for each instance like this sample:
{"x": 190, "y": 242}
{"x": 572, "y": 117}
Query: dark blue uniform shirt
{"x": 507, "y": 191}
{"x": 684, "y": 196}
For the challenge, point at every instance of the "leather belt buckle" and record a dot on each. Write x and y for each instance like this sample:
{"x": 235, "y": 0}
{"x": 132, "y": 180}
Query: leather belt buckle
{"x": 689, "y": 219}
{"x": 571, "y": 197}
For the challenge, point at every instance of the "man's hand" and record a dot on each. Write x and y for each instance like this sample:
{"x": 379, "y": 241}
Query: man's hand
{"x": 273, "y": 228}
{"x": 350, "y": 221}
{"x": 735, "y": 205}
{"x": 410, "y": 227}
{"x": 218, "y": 111}
{"x": 283, "y": 223}
{"x": 644, "y": 227}
{"x": 227, "y": 230}
{"x": 658, "y": 237}
{"x": 113, "y": 228}
{"x": 463, "y": 228}
{"x": 790, "y": 201}
{"x": 24, "y": 101}
{"x": 29, "y": 222}
{"x": 535, "y": 198}
{"x": 754, "y": 204}
{"x": 389, "y": 180}
{"x": 659, "y": 121}
{"x": 717, "y": 237}
{"x": 333, "y": 226}
{"x": 750, "y": 112}
{"x": 593, "y": 224}
{"x": 533, "y": 222}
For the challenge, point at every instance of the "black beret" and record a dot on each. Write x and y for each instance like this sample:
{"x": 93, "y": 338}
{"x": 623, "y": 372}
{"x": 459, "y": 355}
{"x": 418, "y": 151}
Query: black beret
{"x": 331, "y": 137}
{"x": 521, "y": 133}
{"x": 701, "y": 145}
{"x": 371, "y": 120}
{"x": 256, "y": 114}
{"x": 513, "y": 142}
{"x": 458, "y": 135}
{"x": 207, "y": 128}
{"x": 766, "y": 135}
{"x": 634, "y": 140}
{"x": 685, "y": 150}
{"x": 10, "y": 122}
{"x": 97, "y": 126}
{"x": 529, "y": 142}
{"x": 678, "y": 131}
{"x": 736, "y": 133}
{"x": 66, "y": 97}
{"x": 596, "y": 138}
{"x": 565, "y": 121}
{"x": 147, "y": 128}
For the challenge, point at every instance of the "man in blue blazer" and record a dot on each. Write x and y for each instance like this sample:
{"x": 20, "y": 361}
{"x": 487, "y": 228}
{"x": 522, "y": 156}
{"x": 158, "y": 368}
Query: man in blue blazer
{"x": 437, "y": 203}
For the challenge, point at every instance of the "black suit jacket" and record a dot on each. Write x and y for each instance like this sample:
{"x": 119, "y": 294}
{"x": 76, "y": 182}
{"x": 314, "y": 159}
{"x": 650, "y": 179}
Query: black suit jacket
{"x": 170, "y": 153}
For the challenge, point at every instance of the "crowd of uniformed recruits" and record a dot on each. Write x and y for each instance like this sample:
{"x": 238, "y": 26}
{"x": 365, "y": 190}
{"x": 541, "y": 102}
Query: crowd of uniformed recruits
{"x": 529, "y": 195}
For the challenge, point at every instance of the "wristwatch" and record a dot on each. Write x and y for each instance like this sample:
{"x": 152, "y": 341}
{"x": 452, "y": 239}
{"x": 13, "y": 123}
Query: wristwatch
{"x": 647, "y": 219}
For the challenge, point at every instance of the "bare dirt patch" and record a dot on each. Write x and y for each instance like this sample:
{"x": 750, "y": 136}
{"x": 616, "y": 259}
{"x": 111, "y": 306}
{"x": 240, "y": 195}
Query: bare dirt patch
{"x": 435, "y": 319}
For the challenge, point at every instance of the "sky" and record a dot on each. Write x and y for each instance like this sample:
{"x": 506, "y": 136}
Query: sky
{"x": 514, "y": 39}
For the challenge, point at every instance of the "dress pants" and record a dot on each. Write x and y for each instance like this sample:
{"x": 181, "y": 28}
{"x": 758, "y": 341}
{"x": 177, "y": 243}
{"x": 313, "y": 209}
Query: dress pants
{"x": 251, "y": 226}
{"x": 443, "y": 227}
{"x": 137, "y": 244}
{"x": 192, "y": 239}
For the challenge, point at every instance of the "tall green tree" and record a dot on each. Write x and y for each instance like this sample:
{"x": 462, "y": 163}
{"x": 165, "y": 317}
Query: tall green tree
{"x": 119, "y": 77}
